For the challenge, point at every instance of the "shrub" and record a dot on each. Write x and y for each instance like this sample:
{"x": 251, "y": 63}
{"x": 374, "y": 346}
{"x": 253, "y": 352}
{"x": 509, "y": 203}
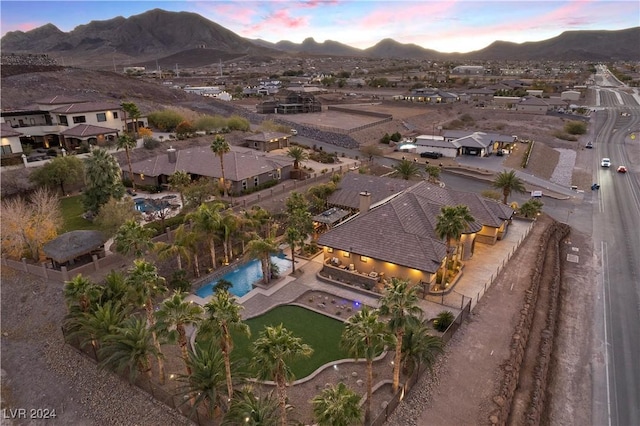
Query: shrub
{"x": 150, "y": 143}
{"x": 443, "y": 321}
{"x": 179, "y": 281}
{"x": 575, "y": 128}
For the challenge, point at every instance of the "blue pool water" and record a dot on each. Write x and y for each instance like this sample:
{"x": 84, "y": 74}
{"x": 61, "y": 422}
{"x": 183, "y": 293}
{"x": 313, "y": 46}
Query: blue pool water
{"x": 244, "y": 276}
{"x": 143, "y": 205}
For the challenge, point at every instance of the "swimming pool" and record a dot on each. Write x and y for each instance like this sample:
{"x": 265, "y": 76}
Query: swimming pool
{"x": 145, "y": 205}
{"x": 244, "y": 276}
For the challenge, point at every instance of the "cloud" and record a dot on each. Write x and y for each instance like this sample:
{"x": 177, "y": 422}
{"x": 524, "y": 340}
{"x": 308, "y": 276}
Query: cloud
{"x": 21, "y": 26}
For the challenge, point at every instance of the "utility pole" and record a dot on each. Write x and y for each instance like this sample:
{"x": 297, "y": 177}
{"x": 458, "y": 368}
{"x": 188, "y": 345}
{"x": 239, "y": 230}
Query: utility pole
{"x": 177, "y": 72}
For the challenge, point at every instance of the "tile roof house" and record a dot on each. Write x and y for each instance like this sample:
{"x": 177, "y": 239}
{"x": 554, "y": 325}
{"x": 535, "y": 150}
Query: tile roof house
{"x": 267, "y": 141}
{"x": 380, "y": 188}
{"x": 244, "y": 169}
{"x": 398, "y": 238}
{"x": 533, "y": 105}
{"x": 10, "y": 139}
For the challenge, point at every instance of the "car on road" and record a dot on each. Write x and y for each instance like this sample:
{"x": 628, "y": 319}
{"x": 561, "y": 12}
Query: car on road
{"x": 430, "y": 154}
{"x": 294, "y": 132}
{"x": 606, "y": 162}
{"x": 622, "y": 169}
{"x": 589, "y": 145}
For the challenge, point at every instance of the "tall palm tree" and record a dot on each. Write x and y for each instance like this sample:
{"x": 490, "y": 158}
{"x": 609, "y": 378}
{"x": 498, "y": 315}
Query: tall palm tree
{"x": 174, "y": 247}
{"x": 450, "y": 224}
{"x": 337, "y": 406}
{"x": 365, "y": 336}
{"x": 179, "y": 181}
{"x": 190, "y": 240}
{"x": 263, "y": 248}
{"x": 126, "y": 142}
{"x": 131, "y": 109}
{"x": 299, "y": 221}
{"x": 206, "y": 221}
{"x": 227, "y": 228}
{"x": 400, "y": 303}
{"x": 222, "y": 318}
{"x": 145, "y": 284}
{"x": 129, "y": 348}
{"x": 115, "y": 288}
{"x": 220, "y": 147}
{"x": 81, "y": 293}
{"x": 259, "y": 220}
{"x": 250, "y": 409}
{"x": 172, "y": 317}
{"x": 508, "y": 182}
{"x": 273, "y": 351}
{"x": 406, "y": 170}
{"x": 298, "y": 154}
{"x": 134, "y": 238}
{"x": 103, "y": 178}
{"x": 205, "y": 386}
{"x": 419, "y": 347}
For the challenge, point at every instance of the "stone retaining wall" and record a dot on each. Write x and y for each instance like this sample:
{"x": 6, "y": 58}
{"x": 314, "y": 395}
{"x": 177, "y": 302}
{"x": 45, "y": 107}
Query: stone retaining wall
{"x": 511, "y": 368}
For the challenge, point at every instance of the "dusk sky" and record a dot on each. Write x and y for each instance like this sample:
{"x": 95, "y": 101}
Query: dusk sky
{"x": 445, "y": 26}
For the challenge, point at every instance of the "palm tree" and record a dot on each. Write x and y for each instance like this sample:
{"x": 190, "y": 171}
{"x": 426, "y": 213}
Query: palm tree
{"x": 227, "y": 227}
{"x": 300, "y": 223}
{"x": 259, "y": 219}
{"x": 172, "y": 317}
{"x": 337, "y": 406}
{"x": 406, "y": 169}
{"x": 205, "y": 386}
{"x": 400, "y": 303}
{"x": 250, "y": 409}
{"x": 222, "y": 318}
{"x": 145, "y": 284}
{"x": 126, "y": 142}
{"x": 115, "y": 288}
{"x": 134, "y": 238}
{"x": 220, "y": 147}
{"x": 365, "y": 336}
{"x": 189, "y": 240}
{"x": 132, "y": 110}
{"x": 433, "y": 172}
{"x": 80, "y": 293}
{"x": 508, "y": 181}
{"x": 298, "y": 154}
{"x": 175, "y": 247}
{"x": 450, "y": 224}
{"x": 179, "y": 181}
{"x": 206, "y": 221}
{"x": 263, "y": 248}
{"x": 419, "y": 347}
{"x": 273, "y": 351}
{"x": 93, "y": 327}
{"x": 129, "y": 348}
{"x": 531, "y": 208}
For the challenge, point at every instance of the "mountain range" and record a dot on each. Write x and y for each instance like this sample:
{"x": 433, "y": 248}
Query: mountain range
{"x": 165, "y": 38}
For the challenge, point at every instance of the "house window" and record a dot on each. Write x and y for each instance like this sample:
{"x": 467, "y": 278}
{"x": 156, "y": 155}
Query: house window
{"x": 255, "y": 144}
{"x": 346, "y": 254}
{"x": 6, "y": 149}
{"x": 63, "y": 120}
{"x": 115, "y": 114}
{"x": 79, "y": 119}
{"x": 364, "y": 259}
{"x": 278, "y": 174}
{"x": 329, "y": 249}
{"x": 244, "y": 184}
{"x": 256, "y": 181}
{"x": 101, "y": 116}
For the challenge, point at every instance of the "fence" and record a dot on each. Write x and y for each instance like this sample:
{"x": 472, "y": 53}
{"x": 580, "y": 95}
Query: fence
{"x": 383, "y": 416}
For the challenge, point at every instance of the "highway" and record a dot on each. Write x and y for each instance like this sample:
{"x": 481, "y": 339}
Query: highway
{"x": 616, "y": 236}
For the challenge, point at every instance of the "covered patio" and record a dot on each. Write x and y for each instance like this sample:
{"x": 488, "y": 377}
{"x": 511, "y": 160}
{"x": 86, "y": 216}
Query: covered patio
{"x": 75, "y": 248}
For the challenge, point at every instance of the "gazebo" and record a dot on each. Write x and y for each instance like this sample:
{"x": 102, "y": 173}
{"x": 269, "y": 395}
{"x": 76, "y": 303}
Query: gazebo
{"x": 74, "y": 246}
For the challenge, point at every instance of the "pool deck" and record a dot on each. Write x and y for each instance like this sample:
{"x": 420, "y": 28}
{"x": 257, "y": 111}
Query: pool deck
{"x": 478, "y": 274}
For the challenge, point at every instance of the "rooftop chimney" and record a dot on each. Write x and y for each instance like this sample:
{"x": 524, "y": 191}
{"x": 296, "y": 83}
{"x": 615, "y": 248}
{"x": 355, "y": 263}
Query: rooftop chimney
{"x": 171, "y": 152}
{"x": 365, "y": 201}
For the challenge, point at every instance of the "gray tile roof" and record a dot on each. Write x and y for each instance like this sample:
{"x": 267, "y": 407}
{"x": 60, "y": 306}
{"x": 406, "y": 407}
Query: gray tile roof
{"x": 380, "y": 188}
{"x": 87, "y": 130}
{"x": 6, "y": 131}
{"x": 402, "y": 231}
{"x": 86, "y": 107}
{"x": 239, "y": 163}
{"x": 266, "y": 136}
{"x": 59, "y": 100}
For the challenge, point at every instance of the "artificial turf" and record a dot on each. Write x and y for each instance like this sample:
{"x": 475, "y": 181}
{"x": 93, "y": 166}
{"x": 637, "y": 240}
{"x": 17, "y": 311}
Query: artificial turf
{"x": 318, "y": 331}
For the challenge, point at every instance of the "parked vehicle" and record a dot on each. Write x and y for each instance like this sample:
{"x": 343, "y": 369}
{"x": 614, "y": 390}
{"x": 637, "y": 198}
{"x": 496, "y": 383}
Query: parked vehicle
{"x": 430, "y": 154}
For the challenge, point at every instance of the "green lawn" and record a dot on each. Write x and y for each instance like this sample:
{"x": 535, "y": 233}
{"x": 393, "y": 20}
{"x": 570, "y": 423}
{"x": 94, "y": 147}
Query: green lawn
{"x": 318, "y": 331}
{"x": 72, "y": 210}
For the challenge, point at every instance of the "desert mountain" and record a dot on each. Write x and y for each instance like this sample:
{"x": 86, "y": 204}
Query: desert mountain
{"x": 188, "y": 38}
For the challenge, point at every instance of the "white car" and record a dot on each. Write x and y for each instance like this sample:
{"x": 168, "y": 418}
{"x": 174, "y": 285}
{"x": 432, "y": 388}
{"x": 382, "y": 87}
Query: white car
{"x": 606, "y": 162}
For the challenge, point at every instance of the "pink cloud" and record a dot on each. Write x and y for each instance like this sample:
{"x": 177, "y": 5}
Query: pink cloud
{"x": 426, "y": 10}
{"x": 277, "y": 21}
{"x": 21, "y": 26}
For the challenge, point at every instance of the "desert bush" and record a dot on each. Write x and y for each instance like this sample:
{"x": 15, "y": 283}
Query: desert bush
{"x": 443, "y": 321}
{"x": 575, "y": 127}
{"x": 166, "y": 120}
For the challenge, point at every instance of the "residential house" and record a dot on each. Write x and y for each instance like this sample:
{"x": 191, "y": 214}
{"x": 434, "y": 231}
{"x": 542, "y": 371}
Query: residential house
{"x": 379, "y": 189}
{"x": 533, "y": 105}
{"x": 243, "y": 169}
{"x": 267, "y": 141}
{"x": 290, "y": 102}
{"x": 10, "y": 140}
{"x": 397, "y": 238}
{"x": 480, "y": 95}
